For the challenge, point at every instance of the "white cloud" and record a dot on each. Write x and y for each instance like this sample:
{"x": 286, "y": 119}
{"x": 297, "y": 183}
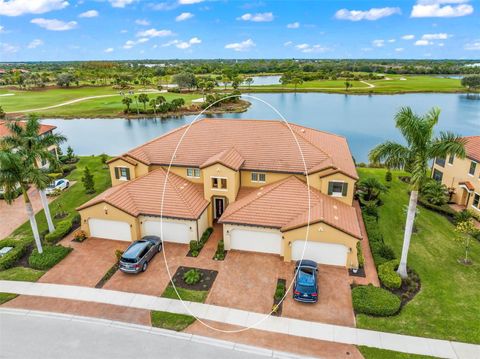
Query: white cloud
{"x": 423, "y": 43}
{"x": 408, "y": 37}
{"x": 307, "y": 48}
{"x": 124, "y": 31}
{"x": 294, "y": 25}
{"x": 142, "y": 22}
{"x": 259, "y": 17}
{"x": 142, "y": 40}
{"x": 189, "y": 2}
{"x": 120, "y": 3}
{"x": 399, "y": 49}
{"x": 2, "y": 29}
{"x": 391, "y": 41}
{"x": 8, "y": 48}
{"x": 154, "y": 33}
{"x": 184, "y": 16}
{"x": 440, "y": 36}
{"x": 473, "y": 46}
{"x": 372, "y": 14}
{"x": 241, "y": 46}
{"x": 378, "y": 43}
{"x": 22, "y": 7}
{"x": 108, "y": 50}
{"x": 54, "y": 24}
{"x": 288, "y": 43}
{"x": 441, "y": 8}
{"x": 129, "y": 44}
{"x": 35, "y": 43}
{"x": 183, "y": 45}
{"x": 89, "y": 13}
{"x": 195, "y": 41}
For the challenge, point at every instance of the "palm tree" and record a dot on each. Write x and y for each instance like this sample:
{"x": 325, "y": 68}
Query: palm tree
{"x": 153, "y": 104}
{"x": 127, "y": 101}
{"x": 33, "y": 147}
{"x": 16, "y": 174}
{"x": 143, "y": 98}
{"x": 421, "y": 148}
{"x": 371, "y": 188}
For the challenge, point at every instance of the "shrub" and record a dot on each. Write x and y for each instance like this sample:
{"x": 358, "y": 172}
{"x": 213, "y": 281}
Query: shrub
{"x": 62, "y": 229}
{"x": 387, "y": 275}
{"x": 118, "y": 254}
{"x": 192, "y": 276}
{"x": 66, "y": 169}
{"x": 194, "y": 253}
{"x": 51, "y": 255}
{"x": 280, "y": 290}
{"x": 206, "y": 235}
{"x": 79, "y": 235}
{"x": 388, "y": 176}
{"x": 375, "y": 301}
{"x": 370, "y": 208}
{"x": 220, "y": 253}
{"x": 17, "y": 252}
{"x": 76, "y": 219}
{"x": 444, "y": 210}
{"x": 55, "y": 175}
{"x": 361, "y": 258}
{"x": 463, "y": 216}
{"x": 194, "y": 245}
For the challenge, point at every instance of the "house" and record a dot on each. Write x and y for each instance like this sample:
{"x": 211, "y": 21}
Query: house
{"x": 44, "y": 130}
{"x": 246, "y": 176}
{"x": 462, "y": 176}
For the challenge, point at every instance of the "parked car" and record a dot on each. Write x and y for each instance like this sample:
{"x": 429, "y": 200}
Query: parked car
{"x": 305, "y": 288}
{"x": 57, "y": 185}
{"x": 135, "y": 259}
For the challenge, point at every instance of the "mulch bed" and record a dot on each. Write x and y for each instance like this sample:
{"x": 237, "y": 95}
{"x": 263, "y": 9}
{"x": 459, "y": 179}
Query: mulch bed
{"x": 205, "y": 283}
{"x": 360, "y": 273}
{"x": 113, "y": 269}
{"x": 23, "y": 261}
{"x": 278, "y": 302}
{"x": 409, "y": 288}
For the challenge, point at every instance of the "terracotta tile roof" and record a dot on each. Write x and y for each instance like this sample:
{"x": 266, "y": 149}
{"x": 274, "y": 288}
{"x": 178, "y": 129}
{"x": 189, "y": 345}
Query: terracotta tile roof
{"x": 472, "y": 147}
{"x": 263, "y": 144}
{"x": 468, "y": 184}
{"x": 284, "y": 205}
{"x": 229, "y": 158}
{"x": 4, "y": 131}
{"x": 143, "y": 195}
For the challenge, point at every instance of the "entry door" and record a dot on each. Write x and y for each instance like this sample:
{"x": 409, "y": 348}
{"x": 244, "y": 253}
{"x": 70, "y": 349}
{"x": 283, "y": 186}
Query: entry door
{"x": 218, "y": 207}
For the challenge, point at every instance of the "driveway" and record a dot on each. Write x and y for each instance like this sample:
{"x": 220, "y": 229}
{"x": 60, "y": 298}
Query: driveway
{"x": 86, "y": 264}
{"x": 14, "y": 215}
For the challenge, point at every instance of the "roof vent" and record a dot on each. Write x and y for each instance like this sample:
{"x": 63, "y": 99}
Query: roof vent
{"x": 302, "y": 130}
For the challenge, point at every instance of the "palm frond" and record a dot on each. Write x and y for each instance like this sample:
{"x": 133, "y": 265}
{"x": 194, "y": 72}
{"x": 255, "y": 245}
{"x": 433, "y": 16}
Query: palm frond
{"x": 392, "y": 154}
{"x": 447, "y": 143}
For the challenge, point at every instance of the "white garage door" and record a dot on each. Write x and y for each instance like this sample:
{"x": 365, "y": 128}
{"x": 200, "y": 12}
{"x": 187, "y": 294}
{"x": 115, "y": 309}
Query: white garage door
{"x": 256, "y": 241}
{"x": 103, "y": 228}
{"x": 324, "y": 253}
{"x": 172, "y": 231}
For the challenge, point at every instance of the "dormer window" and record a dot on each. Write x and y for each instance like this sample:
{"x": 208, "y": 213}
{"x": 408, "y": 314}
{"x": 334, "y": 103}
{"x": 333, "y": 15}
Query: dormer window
{"x": 219, "y": 183}
{"x": 122, "y": 173}
{"x": 337, "y": 189}
{"x": 193, "y": 172}
{"x": 258, "y": 177}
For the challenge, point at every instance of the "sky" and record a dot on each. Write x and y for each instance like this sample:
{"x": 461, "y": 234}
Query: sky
{"x": 64, "y": 30}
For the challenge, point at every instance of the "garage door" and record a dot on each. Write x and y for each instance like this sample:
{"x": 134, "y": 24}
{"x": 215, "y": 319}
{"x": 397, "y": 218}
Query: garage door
{"x": 324, "y": 253}
{"x": 256, "y": 241}
{"x": 172, "y": 231}
{"x": 102, "y": 228}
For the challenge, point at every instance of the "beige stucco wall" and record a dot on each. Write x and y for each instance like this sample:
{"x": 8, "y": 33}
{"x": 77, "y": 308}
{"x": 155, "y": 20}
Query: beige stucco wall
{"x": 321, "y": 183}
{"x": 270, "y": 177}
{"x": 218, "y": 170}
{"x": 202, "y": 222}
{"x": 458, "y": 172}
{"x": 135, "y": 171}
{"x": 228, "y": 228}
{"x": 182, "y": 172}
{"x": 47, "y": 165}
{"x": 321, "y": 232}
{"x": 105, "y": 211}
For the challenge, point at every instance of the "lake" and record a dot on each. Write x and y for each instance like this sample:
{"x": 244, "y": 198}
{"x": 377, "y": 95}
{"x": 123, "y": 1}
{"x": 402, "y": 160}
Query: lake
{"x": 365, "y": 120}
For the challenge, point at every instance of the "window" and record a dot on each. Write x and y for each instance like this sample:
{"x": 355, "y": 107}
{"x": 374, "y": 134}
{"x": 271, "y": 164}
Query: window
{"x": 450, "y": 159}
{"x": 122, "y": 173}
{"x": 473, "y": 167}
{"x": 258, "y": 177}
{"x": 219, "y": 183}
{"x": 44, "y": 162}
{"x": 193, "y": 172}
{"x": 337, "y": 189}
{"x": 476, "y": 201}
{"x": 440, "y": 161}
{"x": 437, "y": 175}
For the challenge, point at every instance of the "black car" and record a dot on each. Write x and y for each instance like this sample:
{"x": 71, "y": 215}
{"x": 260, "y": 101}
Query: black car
{"x": 135, "y": 259}
{"x": 305, "y": 288}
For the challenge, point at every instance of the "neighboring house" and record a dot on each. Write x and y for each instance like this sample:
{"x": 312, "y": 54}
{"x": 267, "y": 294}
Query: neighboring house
{"x": 462, "y": 176}
{"x": 246, "y": 175}
{"x": 44, "y": 130}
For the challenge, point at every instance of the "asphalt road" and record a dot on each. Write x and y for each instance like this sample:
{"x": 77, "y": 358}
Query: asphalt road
{"x": 31, "y": 337}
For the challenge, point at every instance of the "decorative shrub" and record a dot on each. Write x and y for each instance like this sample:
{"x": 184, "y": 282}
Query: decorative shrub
{"x": 194, "y": 253}
{"x": 79, "y": 235}
{"x": 375, "y": 301}
{"x": 388, "y": 176}
{"x": 220, "y": 253}
{"x": 360, "y": 257}
{"x": 55, "y": 175}
{"x": 17, "y": 252}
{"x": 67, "y": 169}
{"x": 51, "y": 255}
{"x": 61, "y": 230}
{"x": 444, "y": 210}
{"x": 280, "y": 290}
{"x": 463, "y": 216}
{"x": 194, "y": 245}
{"x": 381, "y": 252}
{"x": 371, "y": 208}
{"x": 387, "y": 275}
{"x": 118, "y": 254}
{"x": 192, "y": 276}
{"x": 76, "y": 219}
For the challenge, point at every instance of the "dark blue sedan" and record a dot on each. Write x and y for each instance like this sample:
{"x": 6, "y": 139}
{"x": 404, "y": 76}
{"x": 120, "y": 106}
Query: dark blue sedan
{"x": 305, "y": 288}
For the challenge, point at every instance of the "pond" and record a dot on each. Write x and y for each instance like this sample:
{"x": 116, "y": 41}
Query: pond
{"x": 365, "y": 120}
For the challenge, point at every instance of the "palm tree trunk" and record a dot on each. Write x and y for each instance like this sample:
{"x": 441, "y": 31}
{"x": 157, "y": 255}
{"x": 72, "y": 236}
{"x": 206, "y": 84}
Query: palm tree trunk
{"x": 412, "y": 210}
{"x": 33, "y": 222}
{"x": 46, "y": 208}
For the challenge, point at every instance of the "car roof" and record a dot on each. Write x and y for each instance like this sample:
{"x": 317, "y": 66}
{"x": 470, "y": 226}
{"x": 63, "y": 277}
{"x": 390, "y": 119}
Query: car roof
{"x": 307, "y": 279}
{"x": 150, "y": 238}
{"x": 306, "y": 263}
{"x": 134, "y": 250}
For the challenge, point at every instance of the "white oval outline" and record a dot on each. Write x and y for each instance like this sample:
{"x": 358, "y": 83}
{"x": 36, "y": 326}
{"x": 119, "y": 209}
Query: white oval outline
{"x": 161, "y": 214}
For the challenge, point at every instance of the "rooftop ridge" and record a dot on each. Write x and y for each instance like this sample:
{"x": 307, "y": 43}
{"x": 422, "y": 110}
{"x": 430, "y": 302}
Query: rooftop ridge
{"x": 181, "y": 195}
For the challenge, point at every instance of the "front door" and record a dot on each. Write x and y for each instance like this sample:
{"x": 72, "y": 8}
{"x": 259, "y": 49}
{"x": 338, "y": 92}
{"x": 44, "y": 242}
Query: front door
{"x": 218, "y": 207}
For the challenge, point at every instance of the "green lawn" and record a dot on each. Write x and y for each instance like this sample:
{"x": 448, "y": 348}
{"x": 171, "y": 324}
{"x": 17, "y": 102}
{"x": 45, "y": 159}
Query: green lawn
{"x": 374, "y": 353}
{"x": 447, "y": 307}
{"x": 5, "y": 297}
{"x": 185, "y": 294}
{"x": 21, "y": 274}
{"x": 171, "y": 321}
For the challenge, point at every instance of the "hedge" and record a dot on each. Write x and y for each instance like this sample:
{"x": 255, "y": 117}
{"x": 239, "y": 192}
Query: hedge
{"x": 51, "y": 255}
{"x": 388, "y": 276}
{"x": 361, "y": 258}
{"x": 196, "y": 246}
{"x": 444, "y": 210}
{"x": 381, "y": 252}
{"x": 375, "y": 301}
{"x": 61, "y": 230}
{"x": 17, "y": 252}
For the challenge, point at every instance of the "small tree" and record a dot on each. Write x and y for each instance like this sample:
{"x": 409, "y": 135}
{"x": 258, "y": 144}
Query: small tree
{"x": 70, "y": 154}
{"x": 2, "y": 113}
{"x": 471, "y": 82}
{"x": 104, "y": 159}
{"x": 249, "y": 82}
{"x": 465, "y": 231}
{"x": 143, "y": 98}
{"x": 388, "y": 176}
{"x": 88, "y": 181}
{"x": 348, "y": 84}
{"x": 127, "y": 101}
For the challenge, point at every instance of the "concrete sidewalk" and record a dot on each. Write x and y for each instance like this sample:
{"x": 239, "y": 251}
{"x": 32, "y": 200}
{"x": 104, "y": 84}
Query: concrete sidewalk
{"x": 294, "y": 327}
